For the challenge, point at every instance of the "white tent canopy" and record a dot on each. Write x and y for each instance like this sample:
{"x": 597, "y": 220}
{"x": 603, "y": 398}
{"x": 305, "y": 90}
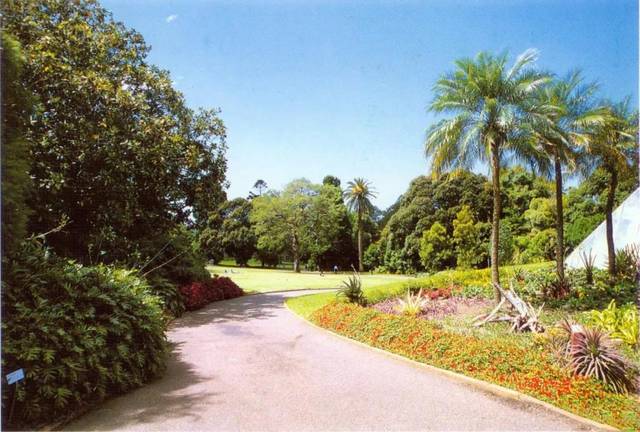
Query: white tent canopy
{"x": 626, "y": 231}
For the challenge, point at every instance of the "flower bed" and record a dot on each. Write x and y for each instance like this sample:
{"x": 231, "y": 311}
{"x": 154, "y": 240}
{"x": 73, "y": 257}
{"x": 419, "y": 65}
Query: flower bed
{"x": 437, "y": 307}
{"x": 503, "y": 362}
{"x": 199, "y": 294}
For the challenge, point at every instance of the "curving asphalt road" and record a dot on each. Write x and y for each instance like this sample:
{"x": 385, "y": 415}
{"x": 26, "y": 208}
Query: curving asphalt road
{"x": 248, "y": 364}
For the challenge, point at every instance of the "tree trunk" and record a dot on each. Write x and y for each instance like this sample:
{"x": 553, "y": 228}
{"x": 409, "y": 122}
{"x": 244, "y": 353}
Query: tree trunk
{"x": 611, "y": 195}
{"x": 296, "y": 253}
{"x": 559, "y": 219}
{"x": 495, "y": 221}
{"x": 360, "y": 266}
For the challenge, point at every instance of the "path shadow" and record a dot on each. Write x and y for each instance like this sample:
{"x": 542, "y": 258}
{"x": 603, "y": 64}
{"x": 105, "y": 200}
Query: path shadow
{"x": 165, "y": 398}
{"x": 240, "y": 309}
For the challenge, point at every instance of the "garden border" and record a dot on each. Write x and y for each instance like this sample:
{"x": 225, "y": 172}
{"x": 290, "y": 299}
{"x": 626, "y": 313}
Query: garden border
{"x": 485, "y": 386}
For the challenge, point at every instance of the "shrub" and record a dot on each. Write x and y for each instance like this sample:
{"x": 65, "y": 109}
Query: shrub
{"x": 621, "y": 323}
{"x": 80, "y": 334}
{"x": 628, "y": 263}
{"x": 169, "y": 294}
{"x": 592, "y": 354}
{"x": 198, "y": 294}
{"x": 351, "y": 290}
{"x": 412, "y": 304}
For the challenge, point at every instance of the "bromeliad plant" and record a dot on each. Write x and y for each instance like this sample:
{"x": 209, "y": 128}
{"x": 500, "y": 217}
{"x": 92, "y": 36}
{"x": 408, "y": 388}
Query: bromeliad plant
{"x": 412, "y": 304}
{"x": 591, "y": 353}
{"x": 351, "y": 290}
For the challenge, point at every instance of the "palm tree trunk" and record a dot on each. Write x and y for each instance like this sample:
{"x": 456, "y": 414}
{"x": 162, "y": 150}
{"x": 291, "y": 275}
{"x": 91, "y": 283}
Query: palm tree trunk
{"x": 495, "y": 221}
{"x": 559, "y": 219}
{"x": 611, "y": 195}
{"x": 296, "y": 253}
{"x": 360, "y": 267}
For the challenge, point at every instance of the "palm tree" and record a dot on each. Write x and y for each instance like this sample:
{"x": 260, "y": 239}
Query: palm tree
{"x": 491, "y": 116}
{"x": 611, "y": 146}
{"x": 565, "y": 126}
{"x": 358, "y": 195}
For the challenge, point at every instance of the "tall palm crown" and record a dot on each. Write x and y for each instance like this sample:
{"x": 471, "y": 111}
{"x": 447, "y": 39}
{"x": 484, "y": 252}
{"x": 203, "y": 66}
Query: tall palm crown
{"x": 612, "y": 146}
{"x": 358, "y": 195}
{"x": 565, "y": 127}
{"x": 493, "y": 111}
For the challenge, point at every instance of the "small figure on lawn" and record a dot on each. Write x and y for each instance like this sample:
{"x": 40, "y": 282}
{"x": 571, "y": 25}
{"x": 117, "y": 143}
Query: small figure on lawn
{"x": 335, "y": 269}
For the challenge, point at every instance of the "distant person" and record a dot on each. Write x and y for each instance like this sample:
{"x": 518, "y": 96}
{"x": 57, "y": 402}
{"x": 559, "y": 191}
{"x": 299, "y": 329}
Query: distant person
{"x": 335, "y": 269}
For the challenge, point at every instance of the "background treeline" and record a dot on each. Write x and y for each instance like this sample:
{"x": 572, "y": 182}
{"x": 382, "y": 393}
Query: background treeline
{"x": 107, "y": 178}
{"x": 437, "y": 223}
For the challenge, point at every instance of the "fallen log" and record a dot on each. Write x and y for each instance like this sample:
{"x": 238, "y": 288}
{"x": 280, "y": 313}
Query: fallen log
{"x": 522, "y": 316}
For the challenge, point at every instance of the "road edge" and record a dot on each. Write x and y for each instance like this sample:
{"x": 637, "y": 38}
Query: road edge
{"x": 485, "y": 386}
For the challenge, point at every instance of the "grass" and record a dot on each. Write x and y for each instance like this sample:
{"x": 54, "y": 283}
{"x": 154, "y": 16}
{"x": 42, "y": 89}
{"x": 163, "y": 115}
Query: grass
{"x": 269, "y": 280}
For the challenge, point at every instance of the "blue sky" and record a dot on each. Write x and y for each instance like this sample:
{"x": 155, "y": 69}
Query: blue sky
{"x": 341, "y": 87}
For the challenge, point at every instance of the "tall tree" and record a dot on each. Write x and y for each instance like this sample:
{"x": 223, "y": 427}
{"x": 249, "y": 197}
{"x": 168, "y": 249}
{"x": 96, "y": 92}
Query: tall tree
{"x": 358, "y": 195}
{"x": 611, "y": 146}
{"x": 572, "y": 112}
{"x": 491, "y": 114}
{"x": 302, "y": 220}
{"x": 17, "y": 105}
{"x": 114, "y": 146}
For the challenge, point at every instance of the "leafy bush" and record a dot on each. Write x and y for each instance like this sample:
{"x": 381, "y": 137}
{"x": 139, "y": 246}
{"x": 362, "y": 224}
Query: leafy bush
{"x": 621, "y": 323}
{"x": 498, "y": 360}
{"x": 169, "y": 294}
{"x": 80, "y": 333}
{"x": 176, "y": 257}
{"x": 628, "y": 263}
{"x": 412, "y": 304}
{"x": 592, "y": 354}
{"x": 352, "y": 290}
{"x": 199, "y": 294}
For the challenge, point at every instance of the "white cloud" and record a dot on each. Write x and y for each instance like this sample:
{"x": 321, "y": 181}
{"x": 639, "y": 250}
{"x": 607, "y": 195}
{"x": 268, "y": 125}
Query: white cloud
{"x": 171, "y": 18}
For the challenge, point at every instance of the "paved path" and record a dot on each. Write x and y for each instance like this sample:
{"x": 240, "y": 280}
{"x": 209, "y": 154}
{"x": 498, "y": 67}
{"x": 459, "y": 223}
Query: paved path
{"x": 249, "y": 364}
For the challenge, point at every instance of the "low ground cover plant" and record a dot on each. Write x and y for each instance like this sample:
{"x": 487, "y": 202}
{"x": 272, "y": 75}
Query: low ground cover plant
{"x": 196, "y": 295}
{"x": 622, "y": 323}
{"x": 518, "y": 366}
{"x": 80, "y": 333}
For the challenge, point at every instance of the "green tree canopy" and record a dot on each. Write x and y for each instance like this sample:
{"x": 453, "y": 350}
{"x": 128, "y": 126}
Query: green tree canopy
{"x": 115, "y": 148}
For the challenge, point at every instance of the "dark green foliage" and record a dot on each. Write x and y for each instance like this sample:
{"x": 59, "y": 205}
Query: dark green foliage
{"x": 80, "y": 333}
{"x": 236, "y": 234}
{"x": 175, "y": 256}
{"x": 114, "y": 146}
{"x": 168, "y": 293}
{"x": 17, "y": 105}
{"x": 428, "y": 201}
{"x": 351, "y": 290}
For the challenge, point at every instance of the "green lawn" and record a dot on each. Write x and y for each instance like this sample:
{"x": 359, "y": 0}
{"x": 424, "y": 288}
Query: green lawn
{"x": 269, "y": 280}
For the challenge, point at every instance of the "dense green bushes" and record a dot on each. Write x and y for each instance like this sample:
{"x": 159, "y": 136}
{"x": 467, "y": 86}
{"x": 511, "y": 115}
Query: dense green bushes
{"x": 80, "y": 334}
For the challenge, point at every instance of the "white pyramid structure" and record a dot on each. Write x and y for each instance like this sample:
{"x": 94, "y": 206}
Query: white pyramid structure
{"x": 626, "y": 231}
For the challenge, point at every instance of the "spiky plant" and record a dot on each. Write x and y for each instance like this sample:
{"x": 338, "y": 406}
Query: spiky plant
{"x": 589, "y": 263}
{"x": 351, "y": 290}
{"x": 412, "y": 304}
{"x": 591, "y": 353}
{"x": 628, "y": 262}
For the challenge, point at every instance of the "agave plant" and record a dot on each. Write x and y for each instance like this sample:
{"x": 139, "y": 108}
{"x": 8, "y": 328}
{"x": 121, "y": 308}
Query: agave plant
{"x": 412, "y": 304}
{"x": 351, "y": 290}
{"x": 591, "y": 353}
